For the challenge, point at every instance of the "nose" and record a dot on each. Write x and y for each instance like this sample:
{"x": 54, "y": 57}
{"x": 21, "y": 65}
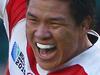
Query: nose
{"x": 42, "y": 33}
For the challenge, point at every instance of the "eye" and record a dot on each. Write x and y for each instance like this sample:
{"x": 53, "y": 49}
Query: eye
{"x": 55, "y": 24}
{"x": 33, "y": 20}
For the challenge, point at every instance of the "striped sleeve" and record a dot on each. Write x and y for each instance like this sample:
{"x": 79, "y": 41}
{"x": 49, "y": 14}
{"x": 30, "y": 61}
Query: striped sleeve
{"x": 14, "y": 19}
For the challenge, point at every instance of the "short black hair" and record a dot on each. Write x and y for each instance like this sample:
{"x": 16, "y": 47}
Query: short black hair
{"x": 80, "y": 9}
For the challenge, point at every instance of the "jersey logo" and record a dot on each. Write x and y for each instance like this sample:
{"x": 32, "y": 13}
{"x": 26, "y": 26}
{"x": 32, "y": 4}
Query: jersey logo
{"x": 15, "y": 51}
{"x": 18, "y": 57}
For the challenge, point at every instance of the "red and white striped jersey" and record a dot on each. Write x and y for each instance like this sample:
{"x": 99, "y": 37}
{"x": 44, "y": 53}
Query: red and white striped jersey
{"x": 21, "y": 56}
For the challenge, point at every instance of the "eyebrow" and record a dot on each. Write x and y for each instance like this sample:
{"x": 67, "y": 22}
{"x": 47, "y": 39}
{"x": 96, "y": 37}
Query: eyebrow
{"x": 31, "y": 15}
{"x": 57, "y": 18}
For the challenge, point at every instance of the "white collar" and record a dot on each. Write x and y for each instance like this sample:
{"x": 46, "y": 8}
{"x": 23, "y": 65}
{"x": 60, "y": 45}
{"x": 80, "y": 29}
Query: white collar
{"x": 40, "y": 70}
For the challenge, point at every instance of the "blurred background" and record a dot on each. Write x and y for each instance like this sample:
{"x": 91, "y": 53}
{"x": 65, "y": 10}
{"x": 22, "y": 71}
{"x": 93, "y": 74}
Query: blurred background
{"x": 98, "y": 16}
{"x": 4, "y": 41}
{"x": 3, "y": 48}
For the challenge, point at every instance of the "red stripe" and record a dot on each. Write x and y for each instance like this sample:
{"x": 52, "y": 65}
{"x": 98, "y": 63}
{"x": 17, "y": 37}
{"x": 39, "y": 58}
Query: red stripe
{"x": 16, "y": 10}
{"x": 72, "y": 70}
{"x": 7, "y": 71}
{"x": 32, "y": 60}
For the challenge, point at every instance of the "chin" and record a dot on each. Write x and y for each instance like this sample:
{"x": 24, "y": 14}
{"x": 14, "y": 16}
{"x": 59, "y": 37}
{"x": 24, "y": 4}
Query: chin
{"x": 49, "y": 66}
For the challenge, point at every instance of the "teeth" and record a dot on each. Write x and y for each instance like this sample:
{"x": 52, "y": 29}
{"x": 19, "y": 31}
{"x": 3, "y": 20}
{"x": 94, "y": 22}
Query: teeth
{"x": 41, "y": 46}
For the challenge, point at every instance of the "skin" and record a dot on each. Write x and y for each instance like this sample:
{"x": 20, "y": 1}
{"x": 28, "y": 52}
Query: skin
{"x": 50, "y": 22}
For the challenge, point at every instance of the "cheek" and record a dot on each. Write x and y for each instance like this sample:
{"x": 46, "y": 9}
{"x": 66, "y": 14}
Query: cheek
{"x": 64, "y": 37}
{"x": 66, "y": 43}
{"x": 29, "y": 33}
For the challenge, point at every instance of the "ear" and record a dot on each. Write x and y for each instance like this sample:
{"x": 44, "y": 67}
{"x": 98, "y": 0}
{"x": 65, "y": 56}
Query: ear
{"x": 86, "y": 24}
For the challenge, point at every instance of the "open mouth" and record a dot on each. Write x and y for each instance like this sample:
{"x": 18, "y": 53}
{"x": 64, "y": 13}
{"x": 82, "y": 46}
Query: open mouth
{"x": 45, "y": 47}
{"x": 46, "y": 50}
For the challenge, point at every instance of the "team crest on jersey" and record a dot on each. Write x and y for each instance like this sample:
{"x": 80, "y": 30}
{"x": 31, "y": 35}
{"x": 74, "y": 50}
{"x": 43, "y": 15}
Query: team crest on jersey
{"x": 18, "y": 57}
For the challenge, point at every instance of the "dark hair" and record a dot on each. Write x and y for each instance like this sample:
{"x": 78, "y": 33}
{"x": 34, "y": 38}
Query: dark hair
{"x": 80, "y": 9}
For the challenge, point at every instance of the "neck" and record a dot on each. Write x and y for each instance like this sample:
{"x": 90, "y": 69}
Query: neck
{"x": 85, "y": 44}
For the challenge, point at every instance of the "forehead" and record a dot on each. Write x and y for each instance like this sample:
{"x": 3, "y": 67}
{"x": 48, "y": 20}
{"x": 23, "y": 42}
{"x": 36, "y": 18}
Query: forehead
{"x": 48, "y": 4}
{"x": 49, "y": 1}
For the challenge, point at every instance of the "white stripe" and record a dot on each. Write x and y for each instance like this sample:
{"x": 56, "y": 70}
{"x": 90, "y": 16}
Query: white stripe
{"x": 2, "y": 7}
{"x": 6, "y": 23}
{"x": 19, "y": 36}
{"x": 41, "y": 71}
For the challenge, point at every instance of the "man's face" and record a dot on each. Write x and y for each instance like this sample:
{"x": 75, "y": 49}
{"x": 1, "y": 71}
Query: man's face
{"x": 52, "y": 32}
